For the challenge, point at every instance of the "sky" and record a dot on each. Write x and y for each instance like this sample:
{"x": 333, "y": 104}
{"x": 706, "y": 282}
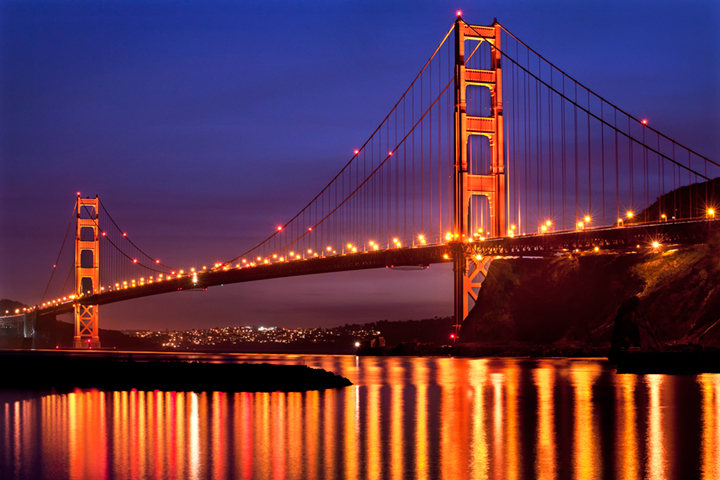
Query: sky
{"x": 203, "y": 125}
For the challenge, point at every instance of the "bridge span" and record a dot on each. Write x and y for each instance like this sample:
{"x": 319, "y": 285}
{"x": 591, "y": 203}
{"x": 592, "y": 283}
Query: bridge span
{"x": 597, "y": 241}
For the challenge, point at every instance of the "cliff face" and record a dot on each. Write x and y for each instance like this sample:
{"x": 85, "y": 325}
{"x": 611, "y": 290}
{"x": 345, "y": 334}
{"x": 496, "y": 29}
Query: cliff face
{"x": 578, "y": 298}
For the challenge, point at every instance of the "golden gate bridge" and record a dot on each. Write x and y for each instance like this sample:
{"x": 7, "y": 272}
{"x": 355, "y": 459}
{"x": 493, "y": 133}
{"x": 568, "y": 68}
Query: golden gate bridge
{"x": 491, "y": 151}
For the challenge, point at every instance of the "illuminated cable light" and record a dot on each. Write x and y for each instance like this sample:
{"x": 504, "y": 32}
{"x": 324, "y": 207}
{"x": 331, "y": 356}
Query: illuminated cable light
{"x": 157, "y": 261}
{"x": 279, "y": 228}
{"x": 459, "y": 13}
{"x": 587, "y": 219}
{"x": 309, "y": 229}
{"x": 357, "y": 151}
{"x": 329, "y": 249}
{"x": 644, "y": 121}
{"x": 124, "y": 234}
{"x": 630, "y": 215}
{"x": 134, "y": 260}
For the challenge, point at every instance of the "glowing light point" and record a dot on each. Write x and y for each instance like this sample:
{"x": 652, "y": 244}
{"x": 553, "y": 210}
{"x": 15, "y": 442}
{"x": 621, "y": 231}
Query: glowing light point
{"x": 309, "y": 229}
{"x": 655, "y": 245}
{"x": 78, "y": 194}
{"x": 459, "y": 13}
{"x": 279, "y": 228}
{"x": 134, "y": 260}
{"x": 157, "y": 261}
{"x": 357, "y": 151}
{"x": 587, "y": 218}
{"x": 644, "y": 121}
{"x": 711, "y": 212}
{"x": 630, "y": 214}
{"x": 124, "y": 234}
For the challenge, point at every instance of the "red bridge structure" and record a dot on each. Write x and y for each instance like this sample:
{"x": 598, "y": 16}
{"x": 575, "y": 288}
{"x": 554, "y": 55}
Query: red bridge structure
{"x": 491, "y": 151}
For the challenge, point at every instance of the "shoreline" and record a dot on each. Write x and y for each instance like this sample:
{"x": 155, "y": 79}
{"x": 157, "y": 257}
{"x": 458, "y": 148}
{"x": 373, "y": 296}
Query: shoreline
{"x": 67, "y": 371}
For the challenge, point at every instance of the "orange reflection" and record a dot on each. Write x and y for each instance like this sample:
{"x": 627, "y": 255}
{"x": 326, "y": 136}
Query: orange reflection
{"x": 374, "y": 442}
{"x": 312, "y": 438}
{"x": 279, "y": 456}
{"x": 478, "y": 377}
{"x": 710, "y": 449}
{"x": 626, "y": 448}
{"x": 397, "y": 407}
{"x": 454, "y": 409}
{"x": 545, "y": 461}
{"x": 330, "y": 437}
{"x": 586, "y": 460}
{"x": 352, "y": 431}
{"x": 512, "y": 439}
{"x": 219, "y": 439}
{"x": 294, "y": 446}
{"x": 656, "y": 463}
{"x": 261, "y": 435}
{"x": 420, "y": 378}
{"x": 497, "y": 380}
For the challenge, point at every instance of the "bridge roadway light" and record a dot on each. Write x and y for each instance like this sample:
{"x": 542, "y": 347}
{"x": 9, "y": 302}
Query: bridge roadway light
{"x": 630, "y": 215}
{"x": 711, "y": 213}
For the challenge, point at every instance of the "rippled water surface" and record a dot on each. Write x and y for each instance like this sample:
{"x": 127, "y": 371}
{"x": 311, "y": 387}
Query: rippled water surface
{"x": 419, "y": 418}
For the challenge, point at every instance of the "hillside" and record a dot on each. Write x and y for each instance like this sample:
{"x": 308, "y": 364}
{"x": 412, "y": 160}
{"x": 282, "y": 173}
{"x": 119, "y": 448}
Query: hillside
{"x": 577, "y": 298}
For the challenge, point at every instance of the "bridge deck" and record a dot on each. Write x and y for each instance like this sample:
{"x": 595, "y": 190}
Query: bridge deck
{"x": 608, "y": 240}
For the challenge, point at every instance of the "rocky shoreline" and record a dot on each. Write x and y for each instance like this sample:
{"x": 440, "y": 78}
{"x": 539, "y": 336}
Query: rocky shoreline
{"x": 33, "y": 371}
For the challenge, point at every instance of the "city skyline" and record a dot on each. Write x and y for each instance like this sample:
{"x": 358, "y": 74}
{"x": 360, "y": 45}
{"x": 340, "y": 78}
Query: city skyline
{"x": 202, "y": 128}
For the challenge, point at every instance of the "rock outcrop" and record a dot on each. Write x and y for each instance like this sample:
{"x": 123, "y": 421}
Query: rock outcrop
{"x": 643, "y": 299}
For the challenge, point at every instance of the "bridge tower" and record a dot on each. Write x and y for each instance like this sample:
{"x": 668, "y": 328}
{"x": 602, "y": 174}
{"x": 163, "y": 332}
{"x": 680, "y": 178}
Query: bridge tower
{"x": 87, "y": 272}
{"x": 466, "y": 184}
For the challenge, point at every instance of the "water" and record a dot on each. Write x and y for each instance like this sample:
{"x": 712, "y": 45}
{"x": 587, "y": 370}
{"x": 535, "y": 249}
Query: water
{"x": 415, "y": 418}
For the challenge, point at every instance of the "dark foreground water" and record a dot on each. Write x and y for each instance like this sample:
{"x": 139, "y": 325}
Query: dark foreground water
{"x": 423, "y": 418}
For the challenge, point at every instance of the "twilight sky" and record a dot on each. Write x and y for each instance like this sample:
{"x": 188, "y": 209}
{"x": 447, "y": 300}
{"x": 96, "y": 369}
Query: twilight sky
{"x": 202, "y": 125}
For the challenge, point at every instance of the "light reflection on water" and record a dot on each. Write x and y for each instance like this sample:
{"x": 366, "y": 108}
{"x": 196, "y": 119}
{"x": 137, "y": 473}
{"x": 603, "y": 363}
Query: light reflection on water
{"x": 416, "y": 418}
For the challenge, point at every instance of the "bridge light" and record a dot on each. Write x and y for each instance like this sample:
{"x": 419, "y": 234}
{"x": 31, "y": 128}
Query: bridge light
{"x": 357, "y": 344}
{"x": 124, "y": 234}
{"x": 309, "y": 250}
{"x": 245, "y": 261}
{"x": 459, "y": 13}
{"x": 543, "y": 228}
{"x": 357, "y": 151}
{"x": 663, "y": 217}
{"x": 376, "y": 247}
{"x": 134, "y": 260}
{"x": 78, "y": 194}
{"x": 656, "y": 245}
{"x": 390, "y": 153}
{"x": 512, "y": 233}
{"x": 587, "y": 218}
{"x": 548, "y": 223}
{"x": 157, "y": 261}
{"x": 354, "y": 249}
{"x": 711, "y": 213}
{"x": 329, "y": 249}
{"x": 279, "y": 227}
{"x": 104, "y": 234}
{"x": 630, "y": 214}
{"x": 580, "y": 225}
{"x": 309, "y": 229}
{"x": 597, "y": 249}
{"x": 274, "y": 255}
{"x": 644, "y": 121}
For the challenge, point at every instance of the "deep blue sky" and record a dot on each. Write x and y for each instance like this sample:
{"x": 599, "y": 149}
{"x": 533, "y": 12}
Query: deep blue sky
{"x": 202, "y": 125}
